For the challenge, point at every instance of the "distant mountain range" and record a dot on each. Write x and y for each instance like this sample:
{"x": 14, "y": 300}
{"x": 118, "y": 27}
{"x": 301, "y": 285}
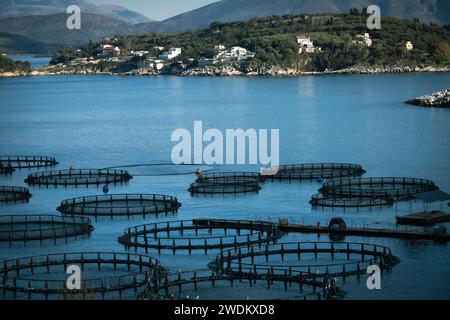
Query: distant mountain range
{"x": 20, "y": 8}
{"x": 16, "y": 44}
{"x": 45, "y": 20}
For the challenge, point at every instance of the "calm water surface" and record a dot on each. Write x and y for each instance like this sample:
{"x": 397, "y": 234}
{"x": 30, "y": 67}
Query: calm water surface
{"x": 36, "y": 61}
{"x": 93, "y": 122}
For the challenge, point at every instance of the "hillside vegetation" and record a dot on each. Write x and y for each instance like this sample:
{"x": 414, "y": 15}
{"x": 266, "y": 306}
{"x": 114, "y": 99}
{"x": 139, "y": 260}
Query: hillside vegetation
{"x": 273, "y": 39}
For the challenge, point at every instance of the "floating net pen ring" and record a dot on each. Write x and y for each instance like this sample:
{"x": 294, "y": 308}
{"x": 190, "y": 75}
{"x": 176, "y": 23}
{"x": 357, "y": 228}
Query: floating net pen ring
{"x": 190, "y": 235}
{"x": 211, "y": 188}
{"x": 14, "y": 194}
{"x": 19, "y": 162}
{"x": 395, "y": 187}
{"x": 319, "y": 200}
{"x": 189, "y": 285}
{"x": 26, "y": 228}
{"x": 347, "y": 258}
{"x": 78, "y": 177}
{"x": 104, "y": 275}
{"x": 310, "y": 171}
{"x": 112, "y": 205}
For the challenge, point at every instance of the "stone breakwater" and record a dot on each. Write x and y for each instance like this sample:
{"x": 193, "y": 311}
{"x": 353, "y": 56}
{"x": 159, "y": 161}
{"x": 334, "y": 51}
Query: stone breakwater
{"x": 439, "y": 99}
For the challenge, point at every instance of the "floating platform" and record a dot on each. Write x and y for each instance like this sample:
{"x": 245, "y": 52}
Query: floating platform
{"x": 116, "y": 205}
{"x": 83, "y": 177}
{"x": 105, "y": 275}
{"x": 26, "y": 228}
{"x": 365, "y": 232}
{"x": 24, "y": 162}
{"x": 424, "y": 218}
{"x": 14, "y": 194}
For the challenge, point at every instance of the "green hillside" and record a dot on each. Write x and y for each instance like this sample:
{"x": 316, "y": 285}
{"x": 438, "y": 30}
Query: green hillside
{"x": 273, "y": 40}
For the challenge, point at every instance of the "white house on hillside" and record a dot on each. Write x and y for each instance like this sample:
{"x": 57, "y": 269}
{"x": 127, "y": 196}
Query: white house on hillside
{"x": 235, "y": 53}
{"x": 306, "y": 45}
{"x": 364, "y": 39}
{"x": 109, "y": 50}
{"x": 171, "y": 54}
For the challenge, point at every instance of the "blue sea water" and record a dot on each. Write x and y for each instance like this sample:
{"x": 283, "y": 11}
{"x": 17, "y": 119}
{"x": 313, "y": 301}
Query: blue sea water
{"x": 105, "y": 121}
{"x": 36, "y": 61}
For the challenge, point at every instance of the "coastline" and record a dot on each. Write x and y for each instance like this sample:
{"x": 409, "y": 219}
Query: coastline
{"x": 228, "y": 71}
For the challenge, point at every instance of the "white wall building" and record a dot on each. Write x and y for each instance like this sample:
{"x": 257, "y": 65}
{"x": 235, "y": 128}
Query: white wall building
{"x": 235, "y": 53}
{"x": 171, "y": 54}
{"x": 364, "y": 39}
{"x": 306, "y": 45}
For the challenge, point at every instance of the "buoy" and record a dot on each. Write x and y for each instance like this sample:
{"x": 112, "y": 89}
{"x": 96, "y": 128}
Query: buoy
{"x": 105, "y": 188}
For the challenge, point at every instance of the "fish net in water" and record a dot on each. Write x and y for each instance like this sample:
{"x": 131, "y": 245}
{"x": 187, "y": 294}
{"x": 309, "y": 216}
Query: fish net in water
{"x": 40, "y": 227}
{"x": 319, "y": 200}
{"x": 212, "y": 285}
{"x": 20, "y": 162}
{"x": 308, "y": 260}
{"x": 193, "y": 235}
{"x": 81, "y": 177}
{"x": 224, "y": 187}
{"x": 104, "y": 275}
{"x": 116, "y": 205}
{"x": 310, "y": 171}
{"x": 389, "y": 187}
{"x": 14, "y": 194}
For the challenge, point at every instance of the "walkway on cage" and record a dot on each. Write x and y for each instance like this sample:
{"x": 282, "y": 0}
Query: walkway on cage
{"x": 105, "y": 275}
{"x": 80, "y": 177}
{"x": 26, "y": 228}
{"x": 115, "y": 205}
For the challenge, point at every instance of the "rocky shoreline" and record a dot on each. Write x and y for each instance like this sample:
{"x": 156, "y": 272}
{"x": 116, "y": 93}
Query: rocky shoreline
{"x": 229, "y": 71}
{"x": 439, "y": 99}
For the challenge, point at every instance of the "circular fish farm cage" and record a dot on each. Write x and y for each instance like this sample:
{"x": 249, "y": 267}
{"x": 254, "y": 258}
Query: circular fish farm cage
{"x": 311, "y": 171}
{"x": 306, "y": 260}
{"x": 21, "y": 162}
{"x": 376, "y": 187}
{"x": 318, "y": 200}
{"x": 224, "y": 188}
{"x": 102, "y": 276}
{"x": 14, "y": 194}
{"x": 6, "y": 170}
{"x": 115, "y": 205}
{"x": 231, "y": 177}
{"x": 80, "y": 177}
{"x": 193, "y": 235}
{"x": 211, "y": 285}
{"x": 27, "y": 228}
